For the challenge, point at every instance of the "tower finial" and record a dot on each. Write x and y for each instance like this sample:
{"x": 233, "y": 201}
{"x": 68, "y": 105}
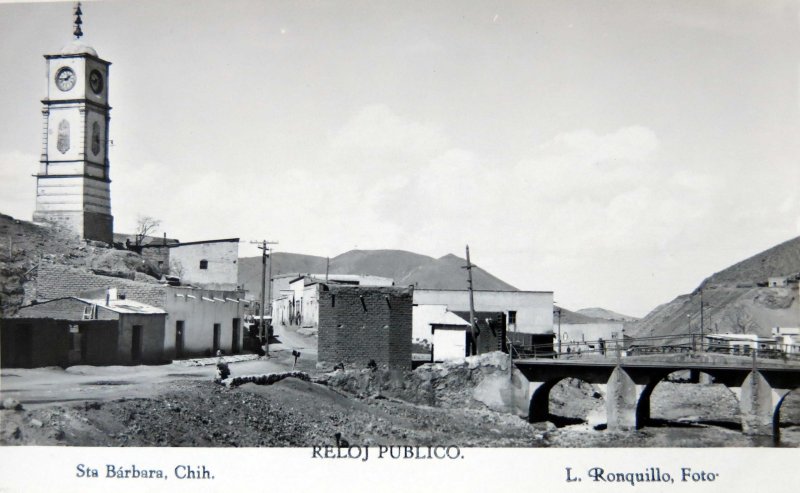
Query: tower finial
{"x": 78, "y": 13}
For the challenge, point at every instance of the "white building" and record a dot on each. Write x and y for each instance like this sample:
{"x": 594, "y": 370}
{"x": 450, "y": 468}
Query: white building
{"x": 787, "y": 339}
{"x": 529, "y": 312}
{"x": 210, "y": 264}
{"x": 738, "y": 343}
{"x": 584, "y": 337}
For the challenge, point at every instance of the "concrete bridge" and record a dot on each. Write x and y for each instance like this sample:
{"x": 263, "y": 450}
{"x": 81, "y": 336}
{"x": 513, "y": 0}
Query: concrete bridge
{"x": 760, "y": 387}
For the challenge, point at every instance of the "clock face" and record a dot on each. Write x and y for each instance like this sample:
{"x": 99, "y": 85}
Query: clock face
{"x": 96, "y": 81}
{"x": 65, "y": 79}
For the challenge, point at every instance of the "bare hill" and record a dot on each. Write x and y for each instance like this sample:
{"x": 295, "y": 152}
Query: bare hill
{"x": 447, "y": 273}
{"x": 395, "y": 264}
{"x": 604, "y": 314}
{"x": 406, "y": 268}
{"x": 576, "y": 317}
{"x": 735, "y": 299}
{"x": 780, "y": 260}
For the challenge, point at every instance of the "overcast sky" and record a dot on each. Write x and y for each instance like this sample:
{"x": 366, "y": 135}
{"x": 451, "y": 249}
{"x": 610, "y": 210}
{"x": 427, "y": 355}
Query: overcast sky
{"x": 613, "y": 152}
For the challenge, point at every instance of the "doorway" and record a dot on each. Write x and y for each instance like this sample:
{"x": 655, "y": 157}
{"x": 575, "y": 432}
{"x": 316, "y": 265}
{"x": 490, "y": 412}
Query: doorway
{"x": 216, "y": 338}
{"x": 136, "y": 344}
{"x": 235, "y": 341}
{"x": 179, "y": 339}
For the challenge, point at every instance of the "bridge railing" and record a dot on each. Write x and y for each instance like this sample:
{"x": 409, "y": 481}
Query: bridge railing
{"x": 670, "y": 344}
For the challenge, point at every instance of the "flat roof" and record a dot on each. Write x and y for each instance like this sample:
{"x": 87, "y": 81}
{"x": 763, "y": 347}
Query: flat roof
{"x": 224, "y": 240}
{"x": 125, "y": 306}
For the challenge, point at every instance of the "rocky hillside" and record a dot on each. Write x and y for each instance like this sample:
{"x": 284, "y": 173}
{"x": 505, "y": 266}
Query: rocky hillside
{"x": 780, "y": 260}
{"x": 735, "y": 299}
{"x": 406, "y": 268}
{"x": 23, "y": 245}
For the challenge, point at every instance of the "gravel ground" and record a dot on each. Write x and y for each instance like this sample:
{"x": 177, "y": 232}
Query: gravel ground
{"x": 290, "y": 413}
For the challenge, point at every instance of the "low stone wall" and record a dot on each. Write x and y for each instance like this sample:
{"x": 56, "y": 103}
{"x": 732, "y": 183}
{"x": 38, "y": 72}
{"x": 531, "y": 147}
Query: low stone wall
{"x": 267, "y": 379}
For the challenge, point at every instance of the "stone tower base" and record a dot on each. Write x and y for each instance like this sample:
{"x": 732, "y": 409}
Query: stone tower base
{"x": 88, "y": 225}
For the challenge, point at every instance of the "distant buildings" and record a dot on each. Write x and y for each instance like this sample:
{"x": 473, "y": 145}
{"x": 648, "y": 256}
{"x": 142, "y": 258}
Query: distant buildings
{"x": 585, "y": 337}
{"x": 294, "y": 296}
{"x": 524, "y": 317}
{"x": 783, "y": 341}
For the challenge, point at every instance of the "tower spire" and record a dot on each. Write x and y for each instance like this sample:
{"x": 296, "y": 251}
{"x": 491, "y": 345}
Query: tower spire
{"x": 78, "y": 13}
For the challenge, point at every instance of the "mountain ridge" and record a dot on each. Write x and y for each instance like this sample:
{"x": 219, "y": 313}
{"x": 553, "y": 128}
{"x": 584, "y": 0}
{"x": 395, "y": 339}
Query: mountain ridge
{"x": 406, "y": 268}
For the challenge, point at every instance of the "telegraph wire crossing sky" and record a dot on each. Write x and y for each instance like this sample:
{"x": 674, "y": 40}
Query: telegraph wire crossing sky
{"x": 615, "y": 153}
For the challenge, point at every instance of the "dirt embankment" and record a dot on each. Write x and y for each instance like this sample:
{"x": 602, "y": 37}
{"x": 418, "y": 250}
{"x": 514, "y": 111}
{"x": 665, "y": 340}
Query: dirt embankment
{"x": 477, "y": 382}
{"x": 289, "y": 413}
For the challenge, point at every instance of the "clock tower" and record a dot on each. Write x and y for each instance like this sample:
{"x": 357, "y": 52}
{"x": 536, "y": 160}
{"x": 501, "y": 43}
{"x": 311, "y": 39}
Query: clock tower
{"x": 72, "y": 185}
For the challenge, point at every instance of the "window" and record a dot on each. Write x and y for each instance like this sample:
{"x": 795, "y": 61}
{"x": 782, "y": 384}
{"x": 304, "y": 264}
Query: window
{"x": 512, "y": 318}
{"x": 204, "y": 264}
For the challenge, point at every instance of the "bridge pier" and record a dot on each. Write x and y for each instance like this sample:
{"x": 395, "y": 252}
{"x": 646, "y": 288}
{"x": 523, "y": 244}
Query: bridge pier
{"x": 758, "y": 404}
{"x": 623, "y": 401}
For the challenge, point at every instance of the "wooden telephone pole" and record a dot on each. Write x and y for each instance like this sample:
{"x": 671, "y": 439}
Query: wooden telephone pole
{"x": 474, "y": 348}
{"x": 265, "y": 252}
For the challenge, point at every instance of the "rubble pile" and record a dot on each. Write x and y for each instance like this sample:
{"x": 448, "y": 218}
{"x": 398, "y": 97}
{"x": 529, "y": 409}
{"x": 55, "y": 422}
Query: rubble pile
{"x": 476, "y": 382}
{"x": 234, "y": 358}
{"x": 268, "y": 379}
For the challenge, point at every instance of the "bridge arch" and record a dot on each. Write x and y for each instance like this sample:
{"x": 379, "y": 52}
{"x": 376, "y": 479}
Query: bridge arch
{"x": 629, "y": 384}
{"x": 644, "y": 414}
{"x": 539, "y": 409}
{"x": 793, "y": 394}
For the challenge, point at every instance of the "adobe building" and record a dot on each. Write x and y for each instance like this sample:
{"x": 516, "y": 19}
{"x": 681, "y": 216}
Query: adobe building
{"x": 360, "y": 324}
{"x": 198, "y": 321}
{"x": 73, "y": 181}
{"x": 75, "y": 331}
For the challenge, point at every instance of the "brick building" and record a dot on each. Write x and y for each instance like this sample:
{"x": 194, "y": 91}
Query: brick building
{"x": 358, "y": 324}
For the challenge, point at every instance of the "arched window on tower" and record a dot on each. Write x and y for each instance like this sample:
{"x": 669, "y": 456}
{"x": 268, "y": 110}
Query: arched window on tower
{"x": 204, "y": 264}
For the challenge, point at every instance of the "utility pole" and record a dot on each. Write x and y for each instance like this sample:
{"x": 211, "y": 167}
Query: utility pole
{"x": 264, "y": 254}
{"x": 474, "y": 348}
{"x": 702, "y": 328}
{"x": 558, "y": 313}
